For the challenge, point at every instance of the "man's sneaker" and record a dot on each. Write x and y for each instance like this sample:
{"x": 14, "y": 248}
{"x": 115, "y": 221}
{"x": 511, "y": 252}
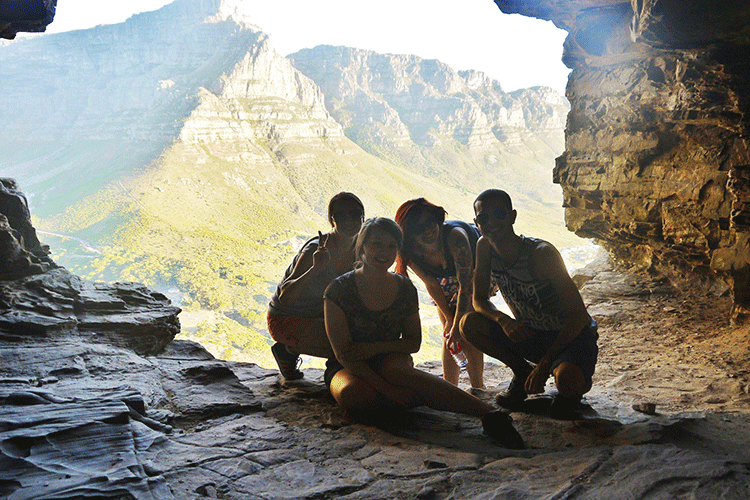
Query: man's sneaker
{"x": 565, "y": 408}
{"x": 512, "y": 397}
{"x": 499, "y": 426}
{"x": 288, "y": 362}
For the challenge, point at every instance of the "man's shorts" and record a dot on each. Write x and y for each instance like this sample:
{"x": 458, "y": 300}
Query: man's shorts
{"x": 288, "y": 329}
{"x": 582, "y": 351}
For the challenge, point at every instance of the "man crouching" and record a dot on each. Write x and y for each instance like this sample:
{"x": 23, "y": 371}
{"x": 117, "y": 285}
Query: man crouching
{"x": 551, "y": 329}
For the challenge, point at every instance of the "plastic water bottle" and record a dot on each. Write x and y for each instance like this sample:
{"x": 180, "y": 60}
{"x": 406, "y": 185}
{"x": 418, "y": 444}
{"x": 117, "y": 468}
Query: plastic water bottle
{"x": 458, "y": 354}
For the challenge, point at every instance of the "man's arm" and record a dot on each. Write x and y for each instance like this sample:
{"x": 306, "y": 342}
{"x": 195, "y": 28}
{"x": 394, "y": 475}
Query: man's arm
{"x": 547, "y": 264}
{"x": 481, "y": 282}
{"x": 515, "y": 331}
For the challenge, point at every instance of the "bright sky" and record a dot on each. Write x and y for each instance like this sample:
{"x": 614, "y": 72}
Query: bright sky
{"x": 466, "y": 34}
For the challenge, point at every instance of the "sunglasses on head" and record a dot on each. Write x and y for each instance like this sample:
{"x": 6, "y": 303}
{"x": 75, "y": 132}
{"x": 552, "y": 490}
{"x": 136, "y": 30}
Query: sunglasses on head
{"x": 484, "y": 216}
{"x": 341, "y": 215}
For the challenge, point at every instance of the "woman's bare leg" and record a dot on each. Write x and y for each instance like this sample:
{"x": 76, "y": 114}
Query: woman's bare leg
{"x": 356, "y": 395}
{"x": 475, "y": 368}
{"x": 451, "y": 371}
{"x": 352, "y": 393}
{"x": 435, "y": 392}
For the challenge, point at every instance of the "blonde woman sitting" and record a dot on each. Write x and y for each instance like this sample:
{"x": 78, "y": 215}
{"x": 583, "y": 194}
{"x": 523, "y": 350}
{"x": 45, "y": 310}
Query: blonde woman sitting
{"x": 372, "y": 322}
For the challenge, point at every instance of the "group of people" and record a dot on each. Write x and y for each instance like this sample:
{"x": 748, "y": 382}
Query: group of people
{"x": 340, "y": 300}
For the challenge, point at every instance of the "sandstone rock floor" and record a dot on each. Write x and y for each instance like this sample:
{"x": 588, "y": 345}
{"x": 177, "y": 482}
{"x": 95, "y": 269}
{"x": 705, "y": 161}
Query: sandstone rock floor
{"x": 81, "y": 419}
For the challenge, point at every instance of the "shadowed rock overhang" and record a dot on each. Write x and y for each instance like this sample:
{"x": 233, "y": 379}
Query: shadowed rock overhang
{"x": 656, "y": 163}
{"x": 25, "y": 16}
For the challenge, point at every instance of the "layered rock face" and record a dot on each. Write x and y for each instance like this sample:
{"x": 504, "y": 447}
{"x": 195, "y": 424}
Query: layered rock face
{"x": 656, "y": 161}
{"x": 40, "y": 299}
{"x": 456, "y": 126}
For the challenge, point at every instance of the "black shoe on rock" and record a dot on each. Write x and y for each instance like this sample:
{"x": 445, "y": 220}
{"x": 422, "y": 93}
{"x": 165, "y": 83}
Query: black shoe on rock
{"x": 288, "y": 362}
{"x": 513, "y": 397}
{"x": 499, "y": 426}
{"x": 565, "y": 408}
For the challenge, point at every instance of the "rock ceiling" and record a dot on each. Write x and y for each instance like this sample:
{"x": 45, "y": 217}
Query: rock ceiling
{"x": 656, "y": 162}
{"x": 25, "y": 16}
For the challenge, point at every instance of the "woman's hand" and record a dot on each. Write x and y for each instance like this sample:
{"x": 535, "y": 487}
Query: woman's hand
{"x": 358, "y": 351}
{"x": 322, "y": 256}
{"x": 452, "y": 335}
{"x": 450, "y": 331}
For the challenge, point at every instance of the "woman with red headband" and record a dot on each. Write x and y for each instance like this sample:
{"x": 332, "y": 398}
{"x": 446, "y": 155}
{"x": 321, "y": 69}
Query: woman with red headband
{"x": 441, "y": 254}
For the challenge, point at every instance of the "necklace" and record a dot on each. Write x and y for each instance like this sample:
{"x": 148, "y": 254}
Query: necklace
{"x": 501, "y": 261}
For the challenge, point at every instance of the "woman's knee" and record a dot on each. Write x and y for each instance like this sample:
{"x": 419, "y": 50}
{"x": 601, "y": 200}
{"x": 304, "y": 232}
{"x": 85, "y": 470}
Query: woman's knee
{"x": 395, "y": 366}
{"x": 351, "y": 393}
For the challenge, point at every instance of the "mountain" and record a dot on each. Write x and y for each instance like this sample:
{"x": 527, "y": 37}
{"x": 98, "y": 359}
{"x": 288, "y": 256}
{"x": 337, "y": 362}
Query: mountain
{"x": 81, "y": 109}
{"x": 179, "y": 149}
{"x": 458, "y": 127}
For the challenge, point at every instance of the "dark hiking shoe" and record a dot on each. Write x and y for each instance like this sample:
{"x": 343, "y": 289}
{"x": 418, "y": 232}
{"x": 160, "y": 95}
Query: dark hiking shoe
{"x": 288, "y": 362}
{"x": 565, "y": 408}
{"x": 499, "y": 426}
{"x": 514, "y": 396}
{"x": 537, "y": 404}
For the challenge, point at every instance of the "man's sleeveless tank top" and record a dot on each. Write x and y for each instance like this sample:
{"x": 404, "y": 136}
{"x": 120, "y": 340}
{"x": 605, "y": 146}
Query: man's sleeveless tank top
{"x": 534, "y": 303}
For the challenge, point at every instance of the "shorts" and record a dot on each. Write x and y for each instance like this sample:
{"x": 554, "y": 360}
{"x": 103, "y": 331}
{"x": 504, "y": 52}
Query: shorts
{"x": 582, "y": 351}
{"x": 333, "y": 367}
{"x": 288, "y": 329}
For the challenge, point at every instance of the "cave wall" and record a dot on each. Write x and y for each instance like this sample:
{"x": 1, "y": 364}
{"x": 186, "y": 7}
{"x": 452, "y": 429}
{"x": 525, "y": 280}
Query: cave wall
{"x": 25, "y": 16}
{"x": 656, "y": 165}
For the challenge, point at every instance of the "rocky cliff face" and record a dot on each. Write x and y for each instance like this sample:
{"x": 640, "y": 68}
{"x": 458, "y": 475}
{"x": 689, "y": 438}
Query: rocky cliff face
{"x": 38, "y": 299}
{"x": 656, "y": 153}
{"x": 459, "y": 127}
{"x": 97, "y": 401}
{"x": 84, "y": 108}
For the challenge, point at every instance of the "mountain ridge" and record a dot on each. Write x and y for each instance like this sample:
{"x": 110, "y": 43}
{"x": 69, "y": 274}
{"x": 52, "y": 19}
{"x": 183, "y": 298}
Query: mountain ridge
{"x": 227, "y": 164}
{"x": 431, "y": 119}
